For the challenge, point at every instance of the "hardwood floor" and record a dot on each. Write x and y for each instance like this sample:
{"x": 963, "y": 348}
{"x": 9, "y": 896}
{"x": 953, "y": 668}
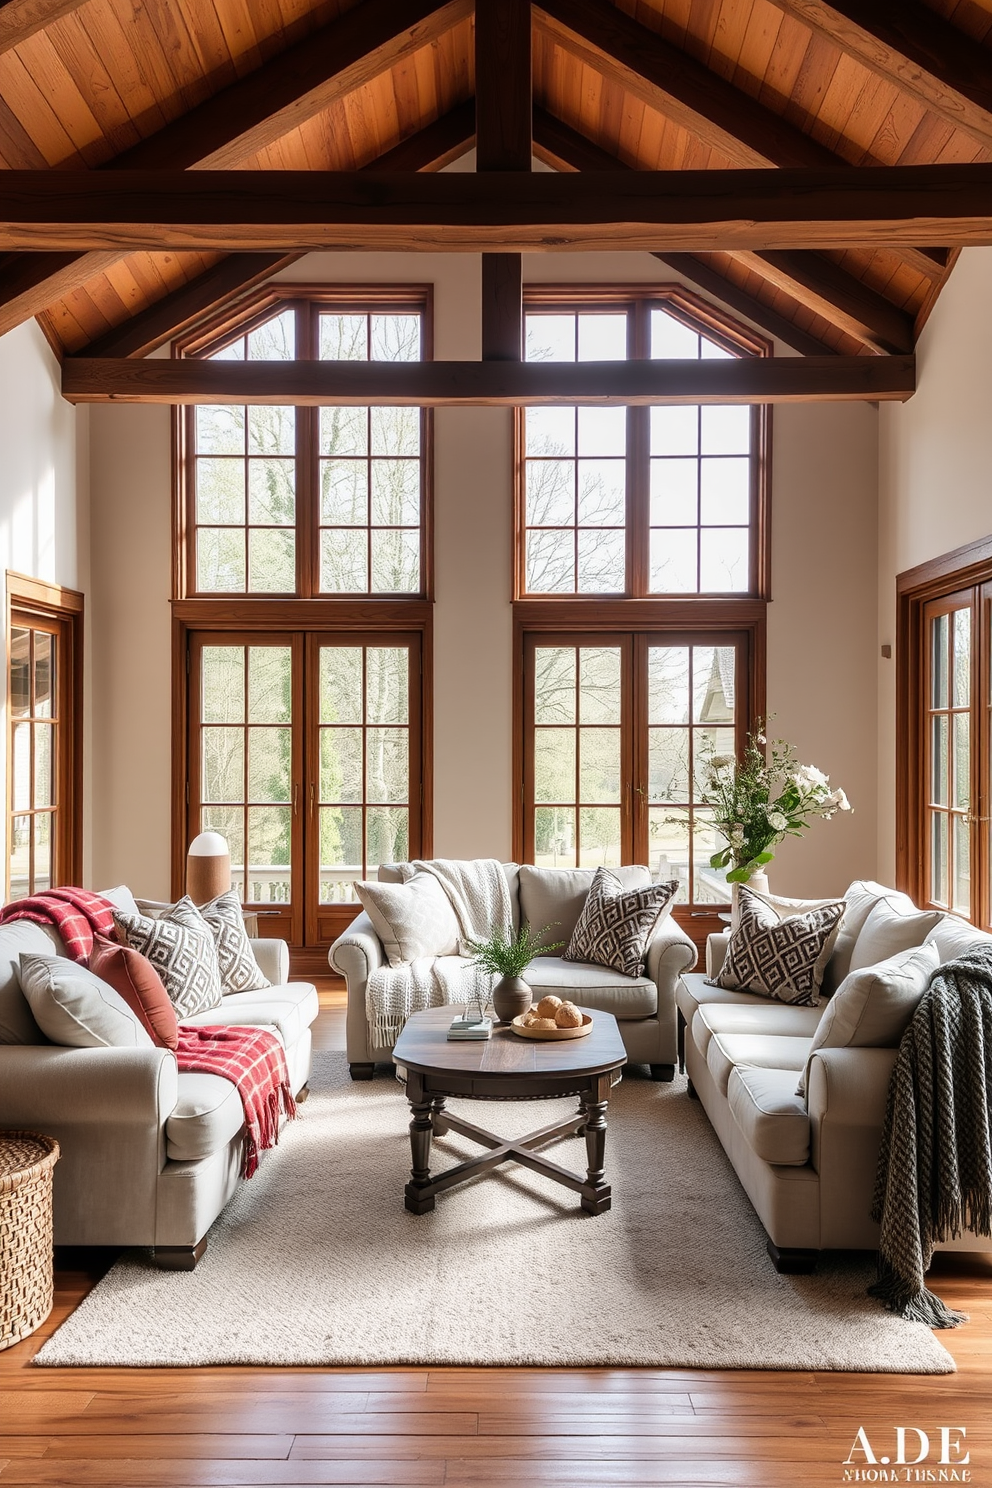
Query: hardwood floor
{"x": 484, "y": 1428}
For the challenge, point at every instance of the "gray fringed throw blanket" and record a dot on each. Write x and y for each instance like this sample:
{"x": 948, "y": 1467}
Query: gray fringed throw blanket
{"x": 935, "y": 1164}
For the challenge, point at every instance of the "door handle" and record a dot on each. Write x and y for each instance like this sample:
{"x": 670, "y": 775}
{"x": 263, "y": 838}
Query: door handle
{"x": 296, "y": 799}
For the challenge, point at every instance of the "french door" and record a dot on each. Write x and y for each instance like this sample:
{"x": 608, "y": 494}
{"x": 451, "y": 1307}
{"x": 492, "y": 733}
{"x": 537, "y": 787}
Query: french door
{"x": 617, "y": 732}
{"x": 955, "y": 738}
{"x": 305, "y": 752}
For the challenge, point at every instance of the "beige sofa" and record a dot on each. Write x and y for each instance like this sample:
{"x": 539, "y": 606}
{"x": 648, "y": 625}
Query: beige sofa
{"x": 644, "y": 1006}
{"x": 150, "y": 1155}
{"x": 807, "y": 1163}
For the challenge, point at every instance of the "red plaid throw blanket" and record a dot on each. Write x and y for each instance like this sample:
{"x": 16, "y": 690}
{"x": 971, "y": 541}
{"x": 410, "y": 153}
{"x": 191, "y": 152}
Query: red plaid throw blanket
{"x": 76, "y": 914}
{"x": 253, "y": 1060}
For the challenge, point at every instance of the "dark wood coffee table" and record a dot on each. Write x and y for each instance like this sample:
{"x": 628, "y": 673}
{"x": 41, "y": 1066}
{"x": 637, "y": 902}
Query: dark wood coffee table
{"x": 507, "y": 1067}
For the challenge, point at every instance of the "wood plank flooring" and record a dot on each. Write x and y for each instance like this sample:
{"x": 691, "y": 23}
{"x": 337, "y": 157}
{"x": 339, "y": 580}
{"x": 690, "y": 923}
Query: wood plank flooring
{"x": 484, "y": 1428}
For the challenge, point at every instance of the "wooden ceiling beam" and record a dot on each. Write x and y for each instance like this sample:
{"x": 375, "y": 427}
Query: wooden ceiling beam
{"x": 913, "y": 47}
{"x": 428, "y": 149}
{"x": 814, "y": 281}
{"x": 243, "y": 118}
{"x": 20, "y": 19}
{"x": 492, "y": 384}
{"x": 503, "y": 142}
{"x": 672, "y": 82}
{"x": 503, "y": 211}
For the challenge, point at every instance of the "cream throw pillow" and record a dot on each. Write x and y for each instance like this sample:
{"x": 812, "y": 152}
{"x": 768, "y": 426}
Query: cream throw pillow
{"x": 875, "y": 1004}
{"x": 890, "y": 928}
{"x": 75, "y": 1008}
{"x": 412, "y": 919}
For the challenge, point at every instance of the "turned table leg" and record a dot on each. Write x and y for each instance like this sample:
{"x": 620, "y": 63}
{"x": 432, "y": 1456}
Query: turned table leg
{"x": 421, "y": 1131}
{"x": 597, "y": 1198}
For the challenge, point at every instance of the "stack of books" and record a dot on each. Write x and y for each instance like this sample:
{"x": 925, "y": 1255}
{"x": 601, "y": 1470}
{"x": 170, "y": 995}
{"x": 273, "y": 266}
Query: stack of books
{"x": 470, "y": 1028}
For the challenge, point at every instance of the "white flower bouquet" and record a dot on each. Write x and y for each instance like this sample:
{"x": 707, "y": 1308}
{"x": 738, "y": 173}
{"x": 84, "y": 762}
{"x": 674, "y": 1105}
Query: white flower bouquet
{"x": 761, "y": 799}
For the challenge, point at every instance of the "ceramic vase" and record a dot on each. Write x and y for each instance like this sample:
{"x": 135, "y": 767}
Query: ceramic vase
{"x": 511, "y": 997}
{"x": 758, "y": 882}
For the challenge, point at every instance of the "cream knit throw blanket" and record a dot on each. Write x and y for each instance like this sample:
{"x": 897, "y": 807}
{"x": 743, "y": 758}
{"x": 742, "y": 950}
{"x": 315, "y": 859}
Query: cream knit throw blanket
{"x": 480, "y": 898}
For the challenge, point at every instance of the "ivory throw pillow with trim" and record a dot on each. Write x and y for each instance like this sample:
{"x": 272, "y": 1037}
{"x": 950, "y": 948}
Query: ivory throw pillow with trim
{"x": 781, "y": 958}
{"x": 239, "y": 971}
{"x": 891, "y": 927}
{"x": 412, "y": 919}
{"x": 77, "y": 1009}
{"x": 874, "y": 1005}
{"x": 615, "y": 924}
{"x": 180, "y": 946}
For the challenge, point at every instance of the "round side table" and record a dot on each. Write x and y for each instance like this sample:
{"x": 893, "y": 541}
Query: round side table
{"x": 26, "y": 1290}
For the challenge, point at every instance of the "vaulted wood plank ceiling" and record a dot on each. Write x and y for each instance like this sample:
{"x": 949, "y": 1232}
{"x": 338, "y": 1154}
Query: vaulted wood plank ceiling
{"x": 639, "y": 84}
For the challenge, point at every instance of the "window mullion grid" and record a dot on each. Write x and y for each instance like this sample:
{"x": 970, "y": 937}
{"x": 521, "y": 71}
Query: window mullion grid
{"x": 246, "y": 652}
{"x": 578, "y": 744}
{"x": 365, "y": 758}
{"x": 32, "y": 708}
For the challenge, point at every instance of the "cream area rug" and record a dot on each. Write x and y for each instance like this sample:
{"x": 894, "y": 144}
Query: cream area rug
{"x": 316, "y": 1261}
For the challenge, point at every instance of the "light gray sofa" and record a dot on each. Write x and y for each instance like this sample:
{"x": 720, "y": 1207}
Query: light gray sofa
{"x": 644, "y": 1006}
{"x": 807, "y": 1163}
{"x": 149, "y": 1155}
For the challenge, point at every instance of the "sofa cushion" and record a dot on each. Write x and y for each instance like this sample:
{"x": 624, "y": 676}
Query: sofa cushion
{"x": 180, "y": 946}
{"x": 615, "y": 925}
{"x": 75, "y": 1008}
{"x": 782, "y": 958}
{"x": 207, "y": 1115}
{"x": 953, "y": 937}
{"x": 17, "y": 1022}
{"x": 890, "y": 928}
{"x": 765, "y": 1050}
{"x": 134, "y": 978}
{"x": 121, "y": 898}
{"x": 875, "y": 1004}
{"x": 289, "y": 1010}
{"x": 693, "y": 991}
{"x": 780, "y": 1020}
{"x": 770, "y": 1114}
{"x": 593, "y": 986}
{"x": 412, "y": 919}
{"x": 860, "y": 898}
{"x": 555, "y": 896}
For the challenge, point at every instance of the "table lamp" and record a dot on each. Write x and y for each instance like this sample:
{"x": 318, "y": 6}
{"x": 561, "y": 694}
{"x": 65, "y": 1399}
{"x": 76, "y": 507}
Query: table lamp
{"x": 208, "y": 867}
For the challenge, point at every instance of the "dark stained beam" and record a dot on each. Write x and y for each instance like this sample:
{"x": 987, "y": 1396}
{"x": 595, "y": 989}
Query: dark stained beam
{"x": 503, "y": 142}
{"x": 493, "y": 384}
{"x": 243, "y": 118}
{"x": 672, "y": 82}
{"x": 821, "y": 285}
{"x": 20, "y": 19}
{"x": 428, "y": 149}
{"x": 561, "y": 147}
{"x": 503, "y": 211}
{"x": 913, "y": 47}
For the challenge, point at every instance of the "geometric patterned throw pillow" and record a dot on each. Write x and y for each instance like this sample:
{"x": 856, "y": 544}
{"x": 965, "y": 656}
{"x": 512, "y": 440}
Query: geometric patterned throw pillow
{"x": 776, "y": 957}
{"x": 615, "y": 924}
{"x": 239, "y": 971}
{"x": 180, "y": 946}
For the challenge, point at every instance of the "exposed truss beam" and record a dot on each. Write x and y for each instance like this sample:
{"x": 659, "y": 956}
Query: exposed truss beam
{"x": 241, "y": 119}
{"x": 675, "y": 84}
{"x": 562, "y": 147}
{"x": 429, "y": 149}
{"x": 504, "y": 211}
{"x": 913, "y": 47}
{"x": 503, "y": 142}
{"x": 821, "y": 285}
{"x": 20, "y": 19}
{"x": 511, "y": 384}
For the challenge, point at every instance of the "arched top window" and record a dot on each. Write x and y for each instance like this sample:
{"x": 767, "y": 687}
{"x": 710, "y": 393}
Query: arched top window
{"x": 309, "y": 502}
{"x": 639, "y": 502}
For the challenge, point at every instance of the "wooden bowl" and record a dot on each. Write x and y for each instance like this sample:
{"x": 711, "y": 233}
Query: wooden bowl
{"x": 550, "y": 1034}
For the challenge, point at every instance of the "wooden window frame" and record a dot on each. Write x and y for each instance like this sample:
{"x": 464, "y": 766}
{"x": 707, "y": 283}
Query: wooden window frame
{"x": 236, "y": 321}
{"x": 968, "y": 568}
{"x": 704, "y": 319}
{"x": 737, "y": 619}
{"x": 34, "y": 602}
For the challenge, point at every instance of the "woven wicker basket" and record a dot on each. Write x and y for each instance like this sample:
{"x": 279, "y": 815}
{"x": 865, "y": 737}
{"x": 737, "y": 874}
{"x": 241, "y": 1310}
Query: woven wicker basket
{"x": 26, "y": 1163}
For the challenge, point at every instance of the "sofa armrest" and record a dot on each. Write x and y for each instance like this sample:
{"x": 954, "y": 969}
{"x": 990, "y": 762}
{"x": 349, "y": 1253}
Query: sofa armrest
{"x": 847, "y": 1093}
{"x": 273, "y": 960}
{"x": 716, "y": 952}
{"x": 670, "y": 952}
{"x": 356, "y": 955}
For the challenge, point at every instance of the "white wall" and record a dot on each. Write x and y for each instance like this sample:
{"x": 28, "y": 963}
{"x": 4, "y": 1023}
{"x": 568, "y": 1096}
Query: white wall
{"x": 44, "y": 522}
{"x": 935, "y": 476}
{"x": 821, "y": 623}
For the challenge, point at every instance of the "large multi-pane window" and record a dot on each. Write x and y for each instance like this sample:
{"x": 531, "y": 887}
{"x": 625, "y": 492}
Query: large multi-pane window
{"x": 638, "y": 502}
{"x": 618, "y": 733}
{"x": 309, "y": 501}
